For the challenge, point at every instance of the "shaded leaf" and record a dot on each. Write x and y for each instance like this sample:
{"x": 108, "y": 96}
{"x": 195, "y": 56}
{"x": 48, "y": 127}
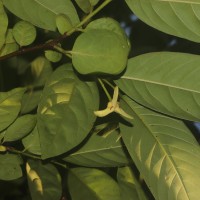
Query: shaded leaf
{"x": 94, "y": 2}
{"x": 129, "y": 185}
{"x": 53, "y": 56}
{"x": 32, "y": 142}
{"x": 92, "y": 184}
{"x": 65, "y": 112}
{"x": 98, "y": 151}
{"x": 165, "y": 152}
{"x": 20, "y": 128}
{"x": 44, "y": 181}
{"x": 85, "y": 5}
{"x": 63, "y": 23}
{"x": 179, "y": 18}
{"x": 24, "y": 33}
{"x": 45, "y": 17}
{"x": 10, "y": 167}
{"x": 95, "y": 50}
{"x": 166, "y": 82}
{"x": 10, "y": 104}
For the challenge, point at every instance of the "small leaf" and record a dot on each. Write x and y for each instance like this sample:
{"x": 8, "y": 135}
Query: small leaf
{"x": 3, "y": 24}
{"x": 32, "y": 142}
{"x": 63, "y": 23}
{"x": 65, "y": 112}
{"x": 85, "y": 5}
{"x": 24, "y": 33}
{"x": 92, "y": 184}
{"x": 20, "y": 128}
{"x": 10, "y": 104}
{"x": 93, "y": 2}
{"x": 99, "y": 51}
{"x": 98, "y": 151}
{"x": 53, "y": 56}
{"x": 10, "y": 167}
{"x": 44, "y": 181}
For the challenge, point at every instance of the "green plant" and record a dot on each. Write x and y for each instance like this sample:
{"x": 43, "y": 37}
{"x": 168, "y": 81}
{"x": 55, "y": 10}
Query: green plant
{"x": 53, "y": 133}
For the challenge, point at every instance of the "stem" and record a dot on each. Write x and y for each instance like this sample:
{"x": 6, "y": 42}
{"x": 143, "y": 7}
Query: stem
{"x": 108, "y": 83}
{"x": 105, "y": 90}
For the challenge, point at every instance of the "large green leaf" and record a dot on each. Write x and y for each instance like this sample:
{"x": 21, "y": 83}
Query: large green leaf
{"x": 166, "y": 82}
{"x": 164, "y": 151}
{"x": 130, "y": 187}
{"x": 176, "y": 17}
{"x": 65, "y": 112}
{"x": 45, "y": 17}
{"x": 44, "y": 181}
{"x": 10, "y": 104}
{"x": 3, "y": 24}
{"x": 92, "y": 184}
{"x": 98, "y": 151}
{"x": 10, "y": 167}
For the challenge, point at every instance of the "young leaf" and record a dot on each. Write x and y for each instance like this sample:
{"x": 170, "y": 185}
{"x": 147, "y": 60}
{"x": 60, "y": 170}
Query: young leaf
{"x": 10, "y": 104}
{"x": 129, "y": 185}
{"x": 63, "y": 23}
{"x": 165, "y": 152}
{"x": 98, "y": 151}
{"x": 10, "y": 167}
{"x": 20, "y": 128}
{"x": 24, "y": 33}
{"x": 100, "y": 51}
{"x": 85, "y": 5}
{"x": 179, "y": 18}
{"x": 44, "y": 181}
{"x": 92, "y": 184}
{"x": 53, "y": 56}
{"x": 3, "y": 24}
{"x": 166, "y": 82}
{"x": 45, "y": 17}
{"x": 65, "y": 112}
{"x": 32, "y": 142}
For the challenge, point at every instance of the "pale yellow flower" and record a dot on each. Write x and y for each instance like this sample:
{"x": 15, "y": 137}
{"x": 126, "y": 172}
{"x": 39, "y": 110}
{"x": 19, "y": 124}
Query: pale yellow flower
{"x": 113, "y": 106}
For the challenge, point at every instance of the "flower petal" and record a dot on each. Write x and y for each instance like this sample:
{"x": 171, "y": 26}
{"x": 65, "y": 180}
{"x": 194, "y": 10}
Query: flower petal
{"x": 103, "y": 113}
{"x": 123, "y": 113}
{"x": 115, "y": 96}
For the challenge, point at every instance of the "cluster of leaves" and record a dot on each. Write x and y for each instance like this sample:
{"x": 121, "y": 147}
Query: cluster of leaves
{"x": 52, "y": 120}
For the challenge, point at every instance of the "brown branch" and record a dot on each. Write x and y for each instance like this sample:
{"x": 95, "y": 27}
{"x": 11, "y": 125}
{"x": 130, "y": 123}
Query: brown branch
{"x": 45, "y": 46}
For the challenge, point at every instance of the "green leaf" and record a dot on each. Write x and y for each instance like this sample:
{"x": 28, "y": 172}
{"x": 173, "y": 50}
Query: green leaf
{"x": 24, "y": 33}
{"x": 98, "y": 151}
{"x": 53, "y": 56}
{"x": 85, "y": 5}
{"x": 10, "y": 167}
{"x": 32, "y": 142}
{"x": 166, "y": 82}
{"x": 99, "y": 51}
{"x": 45, "y": 17}
{"x": 165, "y": 152}
{"x": 44, "y": 181}
{"x": 94, "y": 2}
{"x": 63, "y": 23}
{"x": 175, "y": 17}
{"x": 20, "y": 128}
{"x": 65, "y": 112}
{"x": 10, "y": 44}
{"x": 92, "y": 184}
{"x": 130, "y": 187}
{"x": 10, "y": 104}
{"x": 3, "y": 24}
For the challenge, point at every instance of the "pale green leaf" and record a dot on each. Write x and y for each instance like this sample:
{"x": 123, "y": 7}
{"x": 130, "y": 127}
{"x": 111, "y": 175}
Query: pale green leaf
{"x": 85, "y": 5}
{"x": 10, "y": 167}
{"x": 45, "y": 17}
{"x": 32, "y": 142}
{"x": 65, "y": 112}
{"x": 63, "y": 23}
{"x": 166, "y": 82}
{"x": 165, "y": 152}
{"x": 100, "y": 51}
{"x": 94, "y": 2}
{"x": 92, "y": 184}
{"x": 21, "y": 127}
{"x": 24, "y": 33}
{"x": 3, "y": 24}
{"x": 48, "y": 177}
{"x": 176, "y": 17}
{"x": 98, "y": 151}
{"x": 130, "y": 187}
{"x": 10, "y": 104}
{"x": 53, "y": 56}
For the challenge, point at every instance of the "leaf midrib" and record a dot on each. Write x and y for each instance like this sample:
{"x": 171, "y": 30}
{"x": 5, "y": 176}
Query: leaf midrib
{"x": 45, "y": 7}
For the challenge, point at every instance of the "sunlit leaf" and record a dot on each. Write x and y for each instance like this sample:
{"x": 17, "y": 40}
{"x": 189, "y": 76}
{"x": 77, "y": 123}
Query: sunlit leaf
{"x": 92, "y": 184}
{"x": 65, "y": 112}
{"x": 166, "y": 82}
{"x": 165, "y": 152}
